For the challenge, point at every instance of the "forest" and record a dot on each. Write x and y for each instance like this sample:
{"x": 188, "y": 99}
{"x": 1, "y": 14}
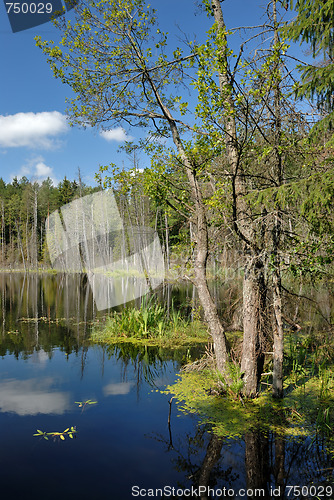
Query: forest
{"x": 240, "y": 175}
{"x": 25, "y": 206}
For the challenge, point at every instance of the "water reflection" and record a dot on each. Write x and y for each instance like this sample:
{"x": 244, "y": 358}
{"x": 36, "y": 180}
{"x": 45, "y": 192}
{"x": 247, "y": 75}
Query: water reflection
{"x": 258, "y": 466}
{"x": 117, "y": 389}
{"x": 32, "y": 396}
{"x": 46, "y": 365}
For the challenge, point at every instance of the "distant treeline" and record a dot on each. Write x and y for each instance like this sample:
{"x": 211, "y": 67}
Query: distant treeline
{"x": 24, "y": 208}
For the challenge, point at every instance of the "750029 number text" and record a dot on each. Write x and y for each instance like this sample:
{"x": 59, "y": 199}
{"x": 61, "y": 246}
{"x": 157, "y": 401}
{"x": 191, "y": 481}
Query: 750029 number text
{"x": 29, "y": 8}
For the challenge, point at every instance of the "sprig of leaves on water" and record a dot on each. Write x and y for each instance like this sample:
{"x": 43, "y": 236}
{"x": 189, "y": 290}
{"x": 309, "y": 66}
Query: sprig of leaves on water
{"x": 70, "y": 431}
{"x": 83, "y": 404}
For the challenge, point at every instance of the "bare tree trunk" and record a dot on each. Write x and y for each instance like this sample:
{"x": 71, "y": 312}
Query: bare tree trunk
{"x": 254, "y": 324}
{"x": 167, "y": 242}
{"x": 35, "y": 227}
{"x": 20, "y": 245}
{"x": 278, "y": 338}
{"x": 198, "y": 214}
{"x": 28, "y": 239}
{"x": 200, "y": 239}
{"x": 278, "y": 332}
{"x": 253, "y": 294}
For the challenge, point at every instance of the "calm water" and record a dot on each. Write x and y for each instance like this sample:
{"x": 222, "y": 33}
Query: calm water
{"x": 123, "y": 440}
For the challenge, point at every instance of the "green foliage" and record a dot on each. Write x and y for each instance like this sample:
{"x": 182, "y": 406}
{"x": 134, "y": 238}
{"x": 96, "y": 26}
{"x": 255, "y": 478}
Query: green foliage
{"x": 66, "y": 190}
{"x": 315, "y": 25}
{"x": 69, "y": 432}
{"x": 151, "y": 322}
{"x": 106, "y": 56}
{"x": 236, "y": 385}
{"x": 83, "y": 404}
{"x": 234, "y": 163}
{"x": 22, "y": 234}
{"x": 312, "y": 239}
{"x": 226, "y": 416}
{"x": 307, "y": 409}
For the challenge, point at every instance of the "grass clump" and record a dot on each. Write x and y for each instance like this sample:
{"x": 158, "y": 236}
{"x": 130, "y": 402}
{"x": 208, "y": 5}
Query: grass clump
{"x": 151, "y": 324}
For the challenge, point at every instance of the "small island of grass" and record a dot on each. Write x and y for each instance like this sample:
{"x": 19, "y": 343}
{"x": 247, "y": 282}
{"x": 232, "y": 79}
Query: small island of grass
{"x": 152, "y": 324}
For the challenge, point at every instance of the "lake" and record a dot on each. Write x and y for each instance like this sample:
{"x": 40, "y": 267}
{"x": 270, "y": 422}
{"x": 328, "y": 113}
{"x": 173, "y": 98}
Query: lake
{"x": 122, "y": 446}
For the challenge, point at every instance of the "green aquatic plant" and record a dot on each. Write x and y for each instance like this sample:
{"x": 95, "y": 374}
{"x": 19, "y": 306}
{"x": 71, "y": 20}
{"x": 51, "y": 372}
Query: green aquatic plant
{"x": 70, "y": 432}
{"x": 152, "y": 321}
{"x": 160, "y": 328}
{"x": 83, "y": 404}
{"x": 197, "y": 392}
{"x": 326, "y": 382}
{"x": 236, "y": 382}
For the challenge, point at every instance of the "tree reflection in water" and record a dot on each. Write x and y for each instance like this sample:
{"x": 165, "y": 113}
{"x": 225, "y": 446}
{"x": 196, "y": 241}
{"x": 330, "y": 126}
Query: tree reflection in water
{"x": 258, "y": 465}
{"x": 44, "y": 315}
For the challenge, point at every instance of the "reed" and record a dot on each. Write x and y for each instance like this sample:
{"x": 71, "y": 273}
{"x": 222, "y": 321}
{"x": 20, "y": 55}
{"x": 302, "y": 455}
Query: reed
{"x": 151, "y": 320}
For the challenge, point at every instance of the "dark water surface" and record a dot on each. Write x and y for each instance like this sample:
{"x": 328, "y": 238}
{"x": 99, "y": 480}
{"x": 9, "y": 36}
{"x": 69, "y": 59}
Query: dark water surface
{"x": 123, "y": 440}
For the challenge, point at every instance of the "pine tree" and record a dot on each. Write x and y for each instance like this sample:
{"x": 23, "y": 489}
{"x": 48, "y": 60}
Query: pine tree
{"x": 315, "y": 25}
{"x": 66, "y": 191}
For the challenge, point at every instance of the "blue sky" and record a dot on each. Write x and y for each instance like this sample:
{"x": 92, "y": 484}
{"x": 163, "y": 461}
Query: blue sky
{"x": 35, "y": 139}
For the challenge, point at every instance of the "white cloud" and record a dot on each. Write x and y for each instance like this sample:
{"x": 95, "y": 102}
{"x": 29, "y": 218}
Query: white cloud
{"x": 33, "y": 130}
{"x": 36, "y": 170}
{"x": 42, "y": 170}
{"x": 116, "y": 134}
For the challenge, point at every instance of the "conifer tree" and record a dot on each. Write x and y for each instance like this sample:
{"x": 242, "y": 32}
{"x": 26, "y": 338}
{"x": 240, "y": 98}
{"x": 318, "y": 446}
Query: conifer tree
{"x": 314, "y": 24}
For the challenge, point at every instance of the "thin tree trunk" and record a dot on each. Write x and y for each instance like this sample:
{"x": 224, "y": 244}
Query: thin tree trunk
{"x": 278, "y": 333}
{"x": 20, "y": 245}
{"x": 278, "y": 338}
{"x": 35, "y": 250}
{"x": 27, "y": 238}
{"x": 167, "y": 242}
{"x": 201, "y": 239}
{"x": 253, "y": 294}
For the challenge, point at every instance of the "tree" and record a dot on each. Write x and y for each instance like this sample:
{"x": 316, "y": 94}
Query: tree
{"x": 251, "y": 113}
{"x": 314, "y": 24}
{"x": 120, "y": 76}
{"x": 245, "y": 146}
{"x": 66, "y": 191}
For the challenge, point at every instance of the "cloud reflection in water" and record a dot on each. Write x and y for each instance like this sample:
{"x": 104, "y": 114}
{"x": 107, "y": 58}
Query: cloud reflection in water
{"x": 32, "y": 396}
{"x": 119, "y": 388}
